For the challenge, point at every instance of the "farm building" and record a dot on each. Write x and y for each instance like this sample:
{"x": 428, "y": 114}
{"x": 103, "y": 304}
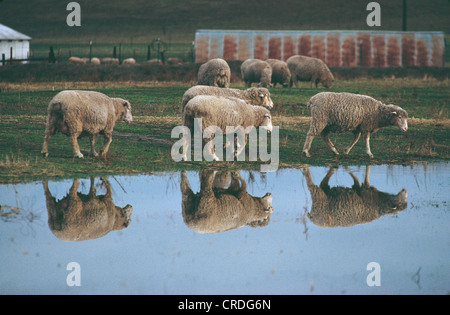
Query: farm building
{"x": 13, "y": 42}
{"x": 336, "y": 48}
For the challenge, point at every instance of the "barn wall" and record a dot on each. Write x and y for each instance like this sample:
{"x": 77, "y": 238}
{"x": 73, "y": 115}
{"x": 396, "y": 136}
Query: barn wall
{"x": 21, "y": 49}
{"x": 336, "y": 48}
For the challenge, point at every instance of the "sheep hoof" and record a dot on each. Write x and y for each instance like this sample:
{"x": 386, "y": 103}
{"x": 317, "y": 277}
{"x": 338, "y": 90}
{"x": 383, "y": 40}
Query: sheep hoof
{"x": 44, "y": 154}
{"x": 79, "y": 155}
{"x": 370, "y": 156}
{"x": 306, "y": 154}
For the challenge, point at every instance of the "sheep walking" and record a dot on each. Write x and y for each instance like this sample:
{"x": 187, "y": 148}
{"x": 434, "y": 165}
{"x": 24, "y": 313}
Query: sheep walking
{"x": 215, "y": 72}
{"x": 360, "y": 114}
{"x": 256, "y": 71}
{"x": 254, "y": 96}
{"x": 309, "y": 69}
{"x": 80, "y": 113}
{"x": 223, "y": 112}
{"x": 280, "y": 72}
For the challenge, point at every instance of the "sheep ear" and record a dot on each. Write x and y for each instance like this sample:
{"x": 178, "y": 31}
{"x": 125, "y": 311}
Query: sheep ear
{"x": 261, "y": 95}
{"x": 125, "y": 103}
{"x": 394, "y": 113}
{"x": 266, "y": 115}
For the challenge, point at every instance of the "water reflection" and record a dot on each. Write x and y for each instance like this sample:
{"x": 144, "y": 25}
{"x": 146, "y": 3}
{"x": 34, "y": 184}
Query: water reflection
{"x": 342, "y": 206}
{"x": 80, "y": 217}
{"x": 223, "y": 203}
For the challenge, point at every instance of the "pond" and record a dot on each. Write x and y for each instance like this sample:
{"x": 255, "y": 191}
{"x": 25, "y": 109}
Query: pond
{"x": 382, "y": 229}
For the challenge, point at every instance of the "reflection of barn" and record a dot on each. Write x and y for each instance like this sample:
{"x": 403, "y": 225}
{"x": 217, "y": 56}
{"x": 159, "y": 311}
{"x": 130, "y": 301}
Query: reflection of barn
{"x": 13, "y": 42}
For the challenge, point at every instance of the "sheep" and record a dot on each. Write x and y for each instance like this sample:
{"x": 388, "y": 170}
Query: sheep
{"x": 110, "y": 61}
{"x": 360, "y": 114}
{"x": 280, "y": 72}
{"x": 220, "y": 112}
{"x": 175, "y": 61}
{"x": 342, "y": 206}
{"x": 216, "y": 210}
{"x": 76, "y": 60}
{"x": 78, "y": 113}
{"x": 80, "y": 217}
{"x": 254, "y": 96}
{"x": 310, "y": 69}
{"x": 129, "y": 61}
{"x": 255, "y": 70}
{"x": 95, "y": 61}
{"x": 154, "y": 62}
{"x": 215, "y": 72}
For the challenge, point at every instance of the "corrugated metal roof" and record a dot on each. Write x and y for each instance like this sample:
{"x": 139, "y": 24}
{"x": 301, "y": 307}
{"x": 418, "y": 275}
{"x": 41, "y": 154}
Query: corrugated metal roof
{"x": 337, "y": 48}
{"x": 7, "y": 33}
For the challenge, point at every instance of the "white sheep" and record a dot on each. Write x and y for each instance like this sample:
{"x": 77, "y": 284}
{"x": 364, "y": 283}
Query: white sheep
{"x": 360, "y": 114}
{"x": 256, "y": 71}
{"x": 129, "y": 61}
{"x": 110, "y": 61}
{"x": 223, "y": 112}
{"x": 254, "y": 96}
{"x": 309, "y": 69}
{"x": 95, "y": 61}
{"x": 76, "y": 60}
{"x": 280, "y": 72}
{"x": 215, "y": 72}
{"x": 79, "y": 113}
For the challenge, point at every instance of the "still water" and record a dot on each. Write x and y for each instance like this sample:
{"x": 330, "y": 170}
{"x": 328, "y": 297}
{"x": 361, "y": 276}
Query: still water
{"x": 358, "y": 230}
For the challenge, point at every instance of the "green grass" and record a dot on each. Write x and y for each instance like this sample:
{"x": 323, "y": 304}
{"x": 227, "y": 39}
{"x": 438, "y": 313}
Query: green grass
{"x": 144, "y": 146}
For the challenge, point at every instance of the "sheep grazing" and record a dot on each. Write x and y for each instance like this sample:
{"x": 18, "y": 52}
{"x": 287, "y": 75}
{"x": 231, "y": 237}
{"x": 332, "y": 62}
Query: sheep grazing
{"x": 175, "y": 61}
{"x": 220, "y": 112}
{"x": 80, "y": 113}
{"x": 256, "y": 71}
{"x": 129, "y": 61}
{"x": 280, "y": 72}
{"x": 309, "y": 69}
{"x": 154, "y": 62}
{"x": 254, "y": 96}
{"x": 76, "y": 60}
{"x": 110, "y": 61}
{"x": 360, "y": 114}
{"x": 215, "y": 72}
{"x": 95, "y": 61}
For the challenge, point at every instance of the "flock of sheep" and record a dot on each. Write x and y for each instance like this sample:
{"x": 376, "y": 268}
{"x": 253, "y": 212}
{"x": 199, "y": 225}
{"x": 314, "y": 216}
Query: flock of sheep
{"x": 79, "y": 113}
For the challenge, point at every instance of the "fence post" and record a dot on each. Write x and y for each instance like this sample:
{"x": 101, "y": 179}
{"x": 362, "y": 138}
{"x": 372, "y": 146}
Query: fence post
{"x": 114, "y": 52}
{"x": 10, "y": 55}
{"x": 148, "y": 53}
{"x": 3, "y": 59}
{"x": 51, "y": 55}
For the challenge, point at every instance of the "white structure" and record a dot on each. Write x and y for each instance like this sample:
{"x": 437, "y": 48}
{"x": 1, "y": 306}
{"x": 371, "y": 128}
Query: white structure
{"x": 12, "y": 40}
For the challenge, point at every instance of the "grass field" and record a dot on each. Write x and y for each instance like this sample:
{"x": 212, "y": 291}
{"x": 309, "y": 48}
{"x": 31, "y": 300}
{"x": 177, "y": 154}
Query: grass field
{"x": 144, "y": 146}
{"x": 136, "y": 24}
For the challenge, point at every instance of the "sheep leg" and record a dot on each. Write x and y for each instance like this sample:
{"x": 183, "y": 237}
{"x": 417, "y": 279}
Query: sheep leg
{"x": 49, "y": 131}
{"x": 92, "y": 139}
{"x": 327, "y": 140}
{"x": 75, "y": 146}
{"x": 367, "y": 138}
{"x": 309, "y": 138}
{"x": 355, "y": 139}
{"x": 108, "y": 138}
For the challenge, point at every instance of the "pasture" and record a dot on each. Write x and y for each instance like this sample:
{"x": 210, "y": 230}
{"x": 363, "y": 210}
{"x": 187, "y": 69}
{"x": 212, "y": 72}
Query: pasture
{"x": 144, "y": 146}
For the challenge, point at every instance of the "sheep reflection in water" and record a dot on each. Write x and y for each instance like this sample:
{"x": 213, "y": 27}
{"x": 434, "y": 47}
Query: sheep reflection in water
{"x": 341, "y": 206}
{"x": 79, "y": 217}
{"x": 222, "y": 205}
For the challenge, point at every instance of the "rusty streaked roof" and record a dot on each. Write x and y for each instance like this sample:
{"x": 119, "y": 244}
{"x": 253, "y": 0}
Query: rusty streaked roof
{"x": 7, "y": 33}
{"x": 337, "y": 48}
